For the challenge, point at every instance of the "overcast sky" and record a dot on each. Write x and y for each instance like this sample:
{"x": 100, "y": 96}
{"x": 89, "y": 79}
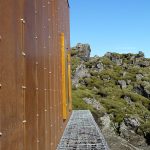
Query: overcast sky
{"x": 111, "y": 25}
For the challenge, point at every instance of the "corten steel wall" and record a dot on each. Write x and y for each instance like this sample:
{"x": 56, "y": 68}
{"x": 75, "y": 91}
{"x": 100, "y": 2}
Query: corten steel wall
{"x": 31, "y": 73}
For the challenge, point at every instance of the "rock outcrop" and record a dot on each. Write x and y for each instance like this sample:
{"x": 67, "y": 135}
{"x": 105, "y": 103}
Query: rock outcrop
{"x": 94, "y": 103}
{"x": 122, "y": 83}
{"x": 81, "y": 72}
{"x": 140, "y": 89}
{"x": 83, "y": 51}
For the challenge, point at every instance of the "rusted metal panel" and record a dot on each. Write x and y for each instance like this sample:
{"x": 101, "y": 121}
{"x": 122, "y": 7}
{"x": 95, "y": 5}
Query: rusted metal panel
{"x": 11, "y": 104}
{"x": 31, "y": 105}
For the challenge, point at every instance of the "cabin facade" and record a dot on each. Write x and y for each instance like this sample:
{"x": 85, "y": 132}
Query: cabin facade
{"x": 35, "y": 79}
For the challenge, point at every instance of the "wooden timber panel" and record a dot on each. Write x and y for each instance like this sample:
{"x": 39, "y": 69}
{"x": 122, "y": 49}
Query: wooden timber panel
{"x": 31, "y": 106}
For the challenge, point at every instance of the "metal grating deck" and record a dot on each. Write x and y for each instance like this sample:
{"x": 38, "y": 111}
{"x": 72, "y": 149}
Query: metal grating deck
{"x": 82, "y": 133}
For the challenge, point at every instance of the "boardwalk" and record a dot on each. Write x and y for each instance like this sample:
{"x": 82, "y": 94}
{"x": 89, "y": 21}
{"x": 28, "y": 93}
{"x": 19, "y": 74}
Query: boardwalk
{"x": 82, "y": 133}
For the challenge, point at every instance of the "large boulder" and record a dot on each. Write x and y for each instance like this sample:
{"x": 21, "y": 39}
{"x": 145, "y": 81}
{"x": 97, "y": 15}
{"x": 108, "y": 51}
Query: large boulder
{"x": 129, "y": 82}
{"x": 127, "y": 99}
{"x": 139, "y": 76}
{"x": 81, "y": 72}
{"x": 128, "y": 129}
{"x": 143, "y": 63}
{"x": 142, "y": 90}
{"x": 94, "y": 103}
{"x": 132, "y": 123}
{"x": 122, "y": 84}
{"x": 108, "y": 54}
{"x": 140, "y": 54}
{"x": 118, "y": 61}
{"x": 84, "y": 51}
{"x": 114, "y": 57}
{"x": 100, "y": 66}
{"x": 127, "y": 139}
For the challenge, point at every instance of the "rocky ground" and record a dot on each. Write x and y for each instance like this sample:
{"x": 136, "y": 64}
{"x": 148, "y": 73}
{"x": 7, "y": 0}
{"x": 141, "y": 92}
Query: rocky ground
{"x": 116, "y": 88}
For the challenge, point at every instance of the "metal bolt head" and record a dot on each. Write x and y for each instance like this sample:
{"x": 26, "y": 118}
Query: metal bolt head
{"x": 23, "y": 87}
{"x": 24, "y": 121}
{"x": 23, "y": 21}
{"x": 23, "y": 54}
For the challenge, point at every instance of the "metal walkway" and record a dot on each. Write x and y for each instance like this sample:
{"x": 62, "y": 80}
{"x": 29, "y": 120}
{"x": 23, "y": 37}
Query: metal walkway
{"x": 82, "y": 133}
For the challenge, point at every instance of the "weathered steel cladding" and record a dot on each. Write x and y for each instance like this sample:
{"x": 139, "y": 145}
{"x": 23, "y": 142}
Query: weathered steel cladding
{"x": 30, "y": 73}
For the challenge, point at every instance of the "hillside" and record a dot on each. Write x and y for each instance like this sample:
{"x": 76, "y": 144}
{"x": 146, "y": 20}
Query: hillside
{"x": 116, "y": 88}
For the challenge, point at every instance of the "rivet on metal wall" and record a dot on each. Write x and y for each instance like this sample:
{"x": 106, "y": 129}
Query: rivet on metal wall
{"x": 0, "y": 37}
{"x": 38, "y": 141}
{"x": 36, "y": 63}
{"x": 50, "y": 72}
{"x": 1, "y": 133}
{"x": 23, "y": 54}
{"x": 0, "y": 85}
{"x": 23, "y": 87}
{"x": 45, "y": 110}
{"x": 37, "y": 115}
{"x": 45, "y": 68}
{"x": 24, "y": 121}
{"x": 35, "y": 37}
{"x": 37, "y": 88}
{"x": 23, "y": 21}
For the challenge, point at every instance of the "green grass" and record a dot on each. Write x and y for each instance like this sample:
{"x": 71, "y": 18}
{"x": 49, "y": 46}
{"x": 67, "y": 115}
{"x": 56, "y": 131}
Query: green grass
{"x": 78, "y": 96}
